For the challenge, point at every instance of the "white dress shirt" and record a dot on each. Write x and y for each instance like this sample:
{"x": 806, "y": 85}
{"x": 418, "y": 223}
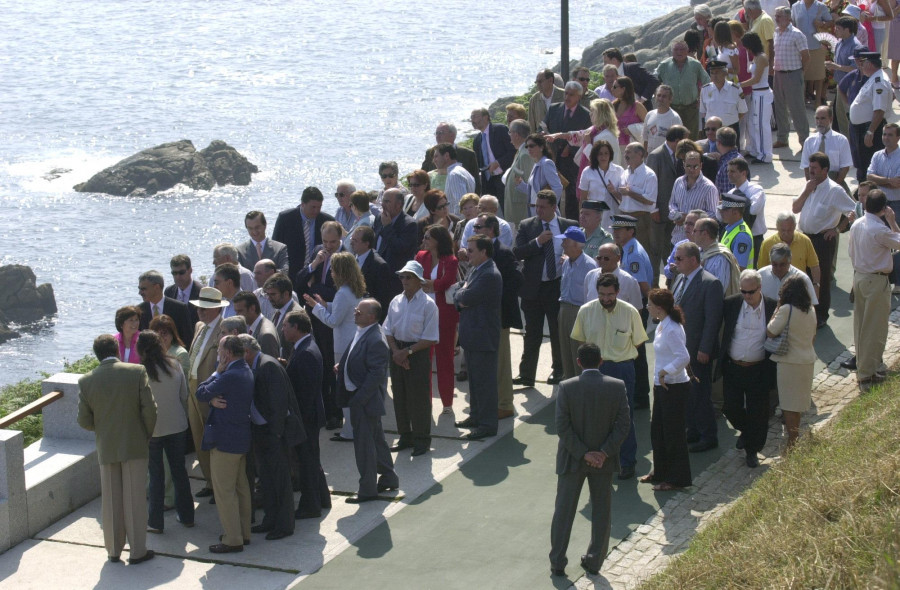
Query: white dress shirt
{"x": 771, "y": 284}
{"x": 411, "y": 320}
{"x": 837, "y": 148}
{"x": 629, "y": 288}
{"x": 871, "y": 242}
{"x": 823, "y": 208}
{"x": 749, "y": 334}
{"x": 670, "y": 352}
{"x": 643, "y": 181}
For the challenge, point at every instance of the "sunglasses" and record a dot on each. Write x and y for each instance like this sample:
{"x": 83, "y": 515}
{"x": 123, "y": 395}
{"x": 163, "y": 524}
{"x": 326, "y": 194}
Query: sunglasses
{"x": 388, "y": 175}
{"x": 477, "y": 226}
{"x": 692, "y": 166}
{"x": 604, "y": 258}
{"x": 749, "y": 292}
{"x": 584, "y": 79}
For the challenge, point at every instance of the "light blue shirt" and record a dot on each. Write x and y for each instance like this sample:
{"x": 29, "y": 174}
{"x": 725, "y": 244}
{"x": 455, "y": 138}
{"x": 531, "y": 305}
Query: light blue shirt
{"x": 636, "y": 261}
{"x": 887, "y": 165}
{"x": 740, "y": 247}
{"x": 571, "y": 289}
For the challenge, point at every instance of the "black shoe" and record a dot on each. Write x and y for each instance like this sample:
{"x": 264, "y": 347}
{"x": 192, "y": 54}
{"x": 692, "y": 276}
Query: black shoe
{"x": 246, "y": 541}
{"x": 307, "y": 514}
{"x": 480, "y": 434}
{"x": 212, "y": 500}
{"x": 739, "y": 445}
{"x": 145, "y": 557}
{"x": 469, "y": 422}
{"x": 333, "y": 423}
{"x": 523, "y": 381}
{"x": 462, "y": 376}
{"x": 558, "y": 571}
{"x": 752, "y": 460}
{"x": 386, "y": 488}
{"x": 591, "y": 570}
{"x": 275, "y": 535}
{"x": 554, "y": 378}
{"x": 401, "y": 444}
{"x": 418, "y": 451}
{"x": 821, "y": 324}
{"x": 703, "y": 445}
{"x": 187, "y": 525}
{"x": 204, "y": 493}
{"x": 626, "y": 473}
{"x": 223, "y": 548}
{"x": 114, "y": 559}
{"x": 262, "y": 528}
{"x": 692, "y": 439}
{"x": 849, "y": 364}
{"x": 339, "y": 438}
{"x": 361, "y": 499}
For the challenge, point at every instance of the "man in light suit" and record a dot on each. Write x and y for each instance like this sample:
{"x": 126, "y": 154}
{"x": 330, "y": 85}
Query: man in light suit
{"x": 259, "y": 247}
{"x": 226, "y": 253}
{"x": 494, "y": 151}
{"x": 540, "y": 290}
{"x": 150, "y": 288}
{"x": 362, "y": 386}
{"x": 668, "y": 168}
{"x": 185, "y": 287}
{"x": 700, "y": 295}
{"x": 115, "y": 403}
{"x": 300, "y": 228}
{"x": 229, "y": 392}
{"x": 479, "y": 302}
{"x": 396, "y": 235}
{"x": 446, "y": 133}
{"x": 204, "y": 346}
{"x": 375, "y": 270}
{"x": 591, "y": 421}
{"x": 259, "y": 327}
{"x": 565, "y": 116}
{"x": 548, "y": 93}
{"x": 515, "y": 202}
{"x": 276, "y": 427}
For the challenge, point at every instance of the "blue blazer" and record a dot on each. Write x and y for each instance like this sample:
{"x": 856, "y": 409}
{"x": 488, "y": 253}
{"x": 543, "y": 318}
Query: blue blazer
{"x": 479, "y": 308}
{"x": 367, "y": 365}
{"x": 228, "y": 430}
{"x": 305, "y": 372}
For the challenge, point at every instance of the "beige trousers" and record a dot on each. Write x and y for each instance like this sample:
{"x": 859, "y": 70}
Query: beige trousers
{"x": 123, "y": 506}
{"x": 871, "y": 309}
{"x": 229, "y": 479}
{"x": 198, "y": 412}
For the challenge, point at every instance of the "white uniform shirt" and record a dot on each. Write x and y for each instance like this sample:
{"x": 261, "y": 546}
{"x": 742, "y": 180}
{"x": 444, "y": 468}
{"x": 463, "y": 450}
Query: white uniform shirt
{"x": 727, "y": 103}
{"x": 875, "y": 95}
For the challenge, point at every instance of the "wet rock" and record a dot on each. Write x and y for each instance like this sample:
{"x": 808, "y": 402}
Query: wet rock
{"x": 22, "y": 301}
{"x": 55, "y": 173}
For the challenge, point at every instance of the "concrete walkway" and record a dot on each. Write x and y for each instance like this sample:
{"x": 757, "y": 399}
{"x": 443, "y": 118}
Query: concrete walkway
{"x": 468, "y": 515}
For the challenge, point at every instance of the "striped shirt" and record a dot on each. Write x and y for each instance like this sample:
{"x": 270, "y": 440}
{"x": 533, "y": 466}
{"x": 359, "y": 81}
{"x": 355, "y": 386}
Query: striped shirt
{"x": 788, "y": 45}
{"x": 703, "y": 195}
{"x": 459, "y": 182}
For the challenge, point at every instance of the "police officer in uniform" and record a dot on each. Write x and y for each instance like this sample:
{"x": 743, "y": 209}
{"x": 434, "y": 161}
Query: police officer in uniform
{"x": 734, "y": 233}
{"x": 868, "y": 108}
{"x": 636, "y": 262}
{"x": 723, "y": 99}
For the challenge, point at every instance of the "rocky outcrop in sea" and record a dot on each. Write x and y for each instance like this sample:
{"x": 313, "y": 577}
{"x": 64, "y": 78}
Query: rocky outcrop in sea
{"x": 22, "y": 300}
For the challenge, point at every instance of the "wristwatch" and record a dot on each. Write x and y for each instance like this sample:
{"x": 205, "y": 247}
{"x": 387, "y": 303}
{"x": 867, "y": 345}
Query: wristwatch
{"x": 409, "y": 351}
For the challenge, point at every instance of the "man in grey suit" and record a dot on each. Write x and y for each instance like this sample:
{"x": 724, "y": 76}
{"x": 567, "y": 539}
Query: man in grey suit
{"x": 592, "y": 420}
{"x": 701, "y": 297}
{"x": 478, "y": 301}
{"x": 362, "y": 386}
{"x": 259, "y": 326}
{"x": 668, "y": 168}
{"x": 259, "y": 247}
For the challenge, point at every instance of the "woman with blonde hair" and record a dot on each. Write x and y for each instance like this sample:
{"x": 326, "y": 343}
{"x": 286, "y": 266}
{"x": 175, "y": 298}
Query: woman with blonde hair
{"x": 604, "y": 127}
{"x": 338, "y": 314}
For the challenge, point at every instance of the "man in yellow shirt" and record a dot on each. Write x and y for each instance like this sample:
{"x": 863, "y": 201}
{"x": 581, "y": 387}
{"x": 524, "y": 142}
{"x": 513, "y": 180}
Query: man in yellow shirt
{"x": 616, "y": 327}
{"x": 803, "y": 255}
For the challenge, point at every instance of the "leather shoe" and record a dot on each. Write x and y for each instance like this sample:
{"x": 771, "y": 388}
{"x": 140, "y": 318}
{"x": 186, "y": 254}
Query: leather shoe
{"x": 361, "y": 499}
{"x": 752, "y": 460}
{"x": 554, "y": 378}
{"x": 523, "y": 381}
{"x": 212, "y": 500}
{"x": 223, "y": 548}
{"x": 339, "y": 438}
{"x": 246, "y": 541}
{"x": 703, "y": 445}
{"x": 187, "y": 525}
{"x": 462, "y": 376}
{"x": 333, "y": 423}
{"x": 204, "y": 493}
{"x": 418, "y": 451}
{"x": 275, "y": 535}
{"x": 480, "y": 434}
{"x": 401, "y": 444}
{"x": 558, "y": 571}
{"x": 586, "y": 566}
{"x": 262, "y": 528}
{"x": 626, "y": 473}
{"x": 692, "y": 439}
{"x": 145, "y": 557}
{"x": 501, "y": 414}
{"x": 849, "y": 363}
{"x": 114, "y": 559}
{"x": 386, "y": 488}
{"x": 739, "y": 445}
{"x": 298, "y": 515}
{"x": 469, "y": 422}
{"x": 779, "y": 144}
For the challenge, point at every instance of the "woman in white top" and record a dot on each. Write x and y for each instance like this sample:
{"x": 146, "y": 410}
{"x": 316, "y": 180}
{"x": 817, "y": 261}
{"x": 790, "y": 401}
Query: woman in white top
{"x": 419, "y": 184}
{"x": 759, "y": 140}
{"x": 604, "y": 126}
{"x": 728, "y": 50}
{"x": 671, "y": 386}
{"x": 338, "y": 314}
{"x": 359, "y": 204}
{"x": 599, "y": 176}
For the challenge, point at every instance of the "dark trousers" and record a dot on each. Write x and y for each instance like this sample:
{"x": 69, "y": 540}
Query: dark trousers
{"x": 535, "y": 310}
{"x": 862, "y": 155}
{"x": 173, "y": 445}
{"x": 325, "y": 341}
{"x": 670, "y": 452}
{"x": 568, "y": 490}
{"x": 412, "y": 399}
{"x": 373, "y": 458}
{"x": 625, "y": 371}
{"x": 699, "y": 414}
{"x": 569, "y": 169}
{"x": 746, "y": 391}
{"x": 757, "y": 246}
{"x": 642, "y": 371}
{"x": 273, "y": 464}
{"x": 494, "y": 186}
{"x": 314, "y": 494}
{"x": 825, "y": 251}
{"x": 483, "y": 394}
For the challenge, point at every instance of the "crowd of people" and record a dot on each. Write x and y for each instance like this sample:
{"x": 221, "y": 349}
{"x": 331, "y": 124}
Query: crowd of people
{"x": 590, "y": 211}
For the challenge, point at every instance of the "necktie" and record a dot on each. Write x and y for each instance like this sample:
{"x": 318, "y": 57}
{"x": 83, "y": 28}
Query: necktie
{"x": 308, "y": 235}
{"x": 276, "y": 317}
{"x": 259, "y": 251}
{"x": 195, "y": 350}
{"x": 822, "y": 144}
{"x": 549, "y": 256}
{"x": 155, "y": 309}
{"x": 679, "y": 293}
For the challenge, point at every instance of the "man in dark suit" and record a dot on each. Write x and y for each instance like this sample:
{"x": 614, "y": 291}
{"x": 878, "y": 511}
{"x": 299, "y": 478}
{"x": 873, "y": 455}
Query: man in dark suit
{"x": 747, "y": 372}
{"x": 185, "y": 287}
{"x": 668, "y": 168}
{"x": 305, "y": 372}
{"x": 565, "y": 116}
{"x": 396, "y": 236}
{"x": 645, "y": 83}
{"x": 495, "y": 155}
{"x": 375, "y": 270}
{"x": 362, "y": 386}
{"x": 510, "y": 315}
{"x": 592, "y": 421}
{"x": 226, "y": 435}
{"x": 478, "y": 301}
{"x": 446, "y": 133}
{"x": 700, "y": 295}
{"x": 710, "y": 153}
{"x": 259, "y": 327}
{"x": 259, "y": 247}
{"x": 300, "y": 228}
{"x": 276, "y": 427}
{"x": 278, "y": 288}
{"x": 150, "y": 288}
{"x": 536, "y": 246}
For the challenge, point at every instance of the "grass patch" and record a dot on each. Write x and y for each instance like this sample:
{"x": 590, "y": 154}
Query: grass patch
{"x": 17, "y": 395}
{"x": 828, "y": 516}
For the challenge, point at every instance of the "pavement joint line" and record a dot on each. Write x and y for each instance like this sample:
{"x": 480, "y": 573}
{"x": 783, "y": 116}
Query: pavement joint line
{"x": 183, "y": 557}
